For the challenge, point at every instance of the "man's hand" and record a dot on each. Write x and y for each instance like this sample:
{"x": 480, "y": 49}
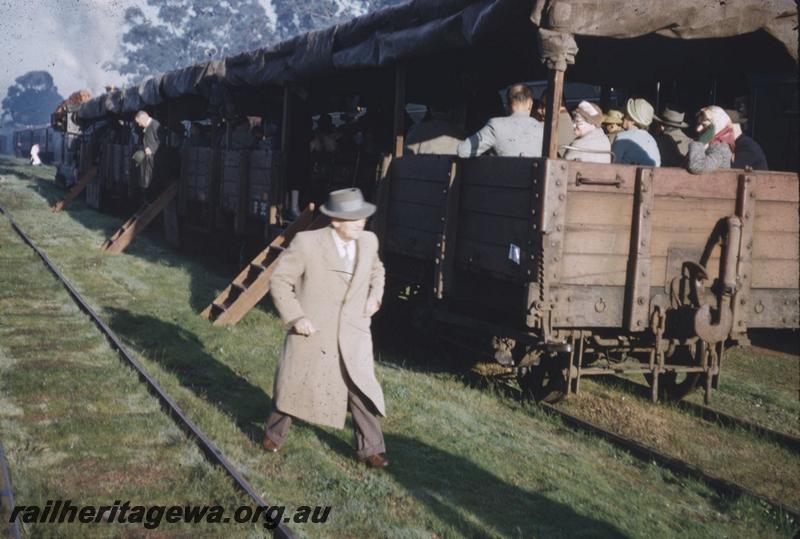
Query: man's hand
{"x": 147, "y": 151}
{"x": 304, "y": 327}
{"x": 372, "y": 306}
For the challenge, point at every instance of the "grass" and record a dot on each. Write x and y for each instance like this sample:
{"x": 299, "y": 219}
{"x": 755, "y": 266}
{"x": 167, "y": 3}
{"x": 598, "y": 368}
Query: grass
{"x": 465, "y": 462}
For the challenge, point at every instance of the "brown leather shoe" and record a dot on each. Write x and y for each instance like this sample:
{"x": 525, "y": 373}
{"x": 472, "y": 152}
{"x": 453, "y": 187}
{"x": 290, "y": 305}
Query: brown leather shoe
{"x": 375, "y": 461}
{"x": 269, "y": 445}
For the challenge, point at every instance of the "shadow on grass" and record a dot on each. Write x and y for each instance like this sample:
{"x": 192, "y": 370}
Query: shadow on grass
{"x": 180, "y": 352}
{"x": 460, "y": 492}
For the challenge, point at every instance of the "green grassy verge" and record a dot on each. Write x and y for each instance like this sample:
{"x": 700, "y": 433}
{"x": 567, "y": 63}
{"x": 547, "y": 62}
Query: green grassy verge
{"x": 465, "y": 462}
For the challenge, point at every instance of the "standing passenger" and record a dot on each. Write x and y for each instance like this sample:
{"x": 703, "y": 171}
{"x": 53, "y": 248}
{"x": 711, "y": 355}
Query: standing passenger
{"x": 635, "y": 146}
{"x": 673, "y": 144}
{"x": 150, "y": 160}
{"x": 715, "y": 141}
{"x": 591, "y": 144}
{"x": 516, "y": 135}
{"x": 434, "y": 135}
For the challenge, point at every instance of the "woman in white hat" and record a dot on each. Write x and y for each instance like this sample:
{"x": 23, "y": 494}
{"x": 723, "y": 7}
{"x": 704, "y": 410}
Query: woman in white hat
{"x": 635, "y": 146}
{"x": 715, "y": 142}
{"x": 591, "y": 144}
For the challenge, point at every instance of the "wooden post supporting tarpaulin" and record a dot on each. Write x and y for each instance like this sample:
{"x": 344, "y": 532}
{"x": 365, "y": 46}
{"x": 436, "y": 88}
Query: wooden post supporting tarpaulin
{"x": 77, "y": 189}
{"x": 557, "y": 49}
{"x": 127, "y": 232}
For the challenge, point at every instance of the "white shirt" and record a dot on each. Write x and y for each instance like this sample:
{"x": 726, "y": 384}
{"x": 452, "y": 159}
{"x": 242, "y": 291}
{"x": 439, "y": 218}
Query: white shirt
{"x": 346, "y": 249}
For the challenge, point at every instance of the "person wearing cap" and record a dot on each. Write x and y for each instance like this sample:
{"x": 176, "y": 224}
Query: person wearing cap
{"x": 715, "y": 143}
{"x": 591, "y": 144}
{"x": 326, "y": 287}
{"x": 673, "y": 144}
{"x": 516, "y": 135}
{"x": 635, "y": 146}
{"x": 749, "y": 153}
{"x": 612, "y": 124}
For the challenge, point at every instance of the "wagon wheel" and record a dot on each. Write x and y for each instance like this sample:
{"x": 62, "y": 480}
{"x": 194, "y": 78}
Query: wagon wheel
{"x": 546, "y": 382}
{"x": 673, "y": 386}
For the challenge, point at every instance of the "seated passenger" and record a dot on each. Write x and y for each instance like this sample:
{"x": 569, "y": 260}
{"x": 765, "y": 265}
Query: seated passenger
{"x": 566, "y": 133}
{"x": 591, "y": 144}
{"x": 748, "y": 152}
{"x": 516, "y": 135}
{"x": 612, "y": 124}
{"x": 635, "y": 146}
{"x": 673, "y": 144}
{"x": 434, "y": 135}
{"x": 715, "y": 142}
{"x": 324, "y": 139}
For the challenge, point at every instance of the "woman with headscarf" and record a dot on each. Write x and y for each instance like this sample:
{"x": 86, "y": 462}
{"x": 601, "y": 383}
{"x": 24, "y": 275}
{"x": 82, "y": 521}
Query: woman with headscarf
{"x": 591, "y": 144}
{"x": 715, "y": 143}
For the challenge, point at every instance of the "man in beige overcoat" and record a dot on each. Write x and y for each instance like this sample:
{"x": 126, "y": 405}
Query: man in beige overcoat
{"x": 326, "y": 287}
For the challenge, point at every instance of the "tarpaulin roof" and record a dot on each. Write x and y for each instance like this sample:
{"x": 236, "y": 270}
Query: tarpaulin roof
{"x": 424, "y": 27}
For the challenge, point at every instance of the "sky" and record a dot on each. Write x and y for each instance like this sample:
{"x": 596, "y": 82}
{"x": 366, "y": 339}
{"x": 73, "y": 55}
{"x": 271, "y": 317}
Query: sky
{"x": 72, "y": 39}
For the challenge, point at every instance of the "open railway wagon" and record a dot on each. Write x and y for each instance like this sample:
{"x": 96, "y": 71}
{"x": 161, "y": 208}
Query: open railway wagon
{"x": 566, "y": 269}
{"x": 575, "y": 267}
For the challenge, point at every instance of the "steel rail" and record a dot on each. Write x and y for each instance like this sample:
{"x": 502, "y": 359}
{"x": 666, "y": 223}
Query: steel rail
{"x": 647, "y": 453}
{"x": 7, "y": 496}
{"x": 716, "y": 416}
{"x": 205, "y": 444}
{"x": 650, "y": 454}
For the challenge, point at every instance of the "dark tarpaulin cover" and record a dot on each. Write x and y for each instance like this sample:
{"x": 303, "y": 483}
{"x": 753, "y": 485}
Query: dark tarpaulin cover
{"x": 424, "y": 27}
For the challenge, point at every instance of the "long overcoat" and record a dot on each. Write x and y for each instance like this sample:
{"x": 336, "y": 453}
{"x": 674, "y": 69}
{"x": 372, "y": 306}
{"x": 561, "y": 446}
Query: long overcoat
{"x": 310, "y": 281}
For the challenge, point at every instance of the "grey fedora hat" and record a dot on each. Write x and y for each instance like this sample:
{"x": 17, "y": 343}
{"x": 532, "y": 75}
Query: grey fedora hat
{"x": 673, "y": 118}
{"x": 347, "y": 204}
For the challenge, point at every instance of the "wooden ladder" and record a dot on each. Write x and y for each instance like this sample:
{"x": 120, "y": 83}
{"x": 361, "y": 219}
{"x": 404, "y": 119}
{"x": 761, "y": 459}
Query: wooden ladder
{"x": 252, "y": 283}
{"x": 127, "y": 232}
{"x": 77, "y": 189}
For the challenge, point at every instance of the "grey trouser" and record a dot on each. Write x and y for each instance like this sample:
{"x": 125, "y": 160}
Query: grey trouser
{"x": 367, "y": 430}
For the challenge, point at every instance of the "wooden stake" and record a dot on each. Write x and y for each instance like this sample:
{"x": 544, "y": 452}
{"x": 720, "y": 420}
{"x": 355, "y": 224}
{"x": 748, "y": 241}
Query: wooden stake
{"x": 399, "y": 109}
{"x": 555, "y": 91}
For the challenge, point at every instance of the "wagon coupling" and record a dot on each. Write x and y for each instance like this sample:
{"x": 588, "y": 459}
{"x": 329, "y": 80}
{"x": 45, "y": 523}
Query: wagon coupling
{"x": 710, "y": 330}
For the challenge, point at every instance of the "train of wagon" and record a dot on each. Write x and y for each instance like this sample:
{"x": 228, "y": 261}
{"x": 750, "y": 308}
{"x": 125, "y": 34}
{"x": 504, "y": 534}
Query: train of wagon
{"x": 559, "y": 269}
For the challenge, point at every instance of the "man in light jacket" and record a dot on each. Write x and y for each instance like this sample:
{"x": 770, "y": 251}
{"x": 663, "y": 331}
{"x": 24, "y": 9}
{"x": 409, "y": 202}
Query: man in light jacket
{"x": 516, "y": 135}
{"x": 326, "y": 287}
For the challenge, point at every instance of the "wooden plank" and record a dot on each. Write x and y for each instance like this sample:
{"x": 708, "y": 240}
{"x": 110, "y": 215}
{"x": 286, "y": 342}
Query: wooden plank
{"x": 422, "y": 217}
{"x": 555, "y": 90}
{"x": 481, "y": 257}
{"x": 405, "y": 241}
{"x": 637, "y": 291}
{"x": 125, "y": 235}
{"x": 588, "y": 306}
{"x": 247, "y": 289}
{"x": 419, "y": 192}
{"x": 87, "y": 178}
{"x": 496, "y": 201}
{"x": 498, "y": 230}
{"x": 497, "y": 172}
{"x": 423, "y": 167}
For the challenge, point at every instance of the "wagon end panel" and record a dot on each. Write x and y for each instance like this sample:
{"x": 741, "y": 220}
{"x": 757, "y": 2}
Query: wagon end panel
{"x": 588, "y": 215}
